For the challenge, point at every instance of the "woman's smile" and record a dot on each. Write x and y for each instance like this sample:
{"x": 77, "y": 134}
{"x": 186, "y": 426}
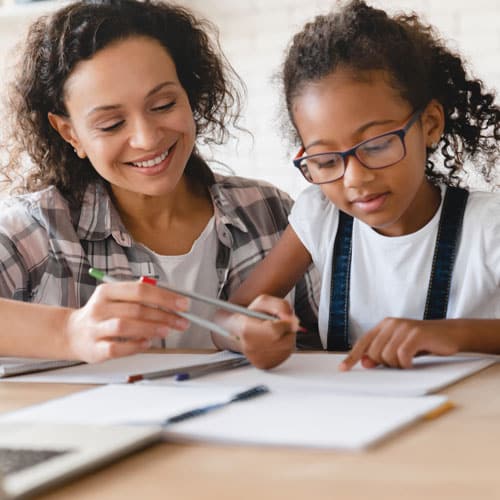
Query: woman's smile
{"x": 153, "y": 164}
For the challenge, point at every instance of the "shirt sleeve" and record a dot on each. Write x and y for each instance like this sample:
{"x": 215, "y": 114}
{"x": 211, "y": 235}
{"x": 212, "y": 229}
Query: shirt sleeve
{"x": 314, "y": 219}
{"x": 19, "y": 235}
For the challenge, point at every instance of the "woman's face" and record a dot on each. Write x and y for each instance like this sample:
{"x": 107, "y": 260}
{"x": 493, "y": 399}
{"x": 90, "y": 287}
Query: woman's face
{"x": 340, "y": 111}
{"x": 129, "y": 114}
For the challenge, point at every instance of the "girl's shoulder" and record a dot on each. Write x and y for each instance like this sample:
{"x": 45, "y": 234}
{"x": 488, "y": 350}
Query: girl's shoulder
{"x": 312, "y": 203}
{"x": 482, "y": 219}
{"x": 484, "y": 207}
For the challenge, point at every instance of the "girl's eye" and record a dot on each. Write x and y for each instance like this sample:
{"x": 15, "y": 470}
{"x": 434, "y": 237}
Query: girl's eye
{"x": 325, "y": 162}
{"x": 164, "y": 107}
{"x": 112, "y": 127}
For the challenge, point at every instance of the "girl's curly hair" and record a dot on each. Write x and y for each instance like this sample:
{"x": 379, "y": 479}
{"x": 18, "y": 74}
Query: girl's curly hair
{"x": 54, "y": 46}
{"x": 421, "y": 68}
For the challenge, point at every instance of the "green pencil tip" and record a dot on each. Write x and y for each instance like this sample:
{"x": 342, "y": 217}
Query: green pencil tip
{"x": 95, "y": 273}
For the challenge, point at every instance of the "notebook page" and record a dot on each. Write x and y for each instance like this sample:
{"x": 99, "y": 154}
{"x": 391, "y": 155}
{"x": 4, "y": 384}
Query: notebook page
{"x": 319, "y": 372}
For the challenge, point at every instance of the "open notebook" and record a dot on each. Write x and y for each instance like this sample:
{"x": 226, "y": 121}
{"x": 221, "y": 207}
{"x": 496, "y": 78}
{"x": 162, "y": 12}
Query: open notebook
{"x": 35, "y": 456}
{"x": 298, "y": 419}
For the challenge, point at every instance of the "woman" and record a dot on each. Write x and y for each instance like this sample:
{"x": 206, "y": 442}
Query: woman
{"x": 109, "y": 103}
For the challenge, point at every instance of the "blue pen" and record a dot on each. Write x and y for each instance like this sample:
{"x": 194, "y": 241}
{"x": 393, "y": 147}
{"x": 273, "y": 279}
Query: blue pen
{"x": 258, "y": 390}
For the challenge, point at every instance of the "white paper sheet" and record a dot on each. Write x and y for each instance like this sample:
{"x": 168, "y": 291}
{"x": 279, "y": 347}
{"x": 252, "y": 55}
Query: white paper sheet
{"x": 308, "y": 419}
{"x": 319, "y": 372}
{"x": 116, "y": 371}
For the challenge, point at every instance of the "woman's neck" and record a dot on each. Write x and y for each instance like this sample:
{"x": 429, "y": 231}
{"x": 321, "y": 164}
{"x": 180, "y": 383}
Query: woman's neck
{"x": 152, "y": 220}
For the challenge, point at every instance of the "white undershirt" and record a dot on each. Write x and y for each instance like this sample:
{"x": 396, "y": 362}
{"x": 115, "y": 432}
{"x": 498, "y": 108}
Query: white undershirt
{"x": 194, "y": 271}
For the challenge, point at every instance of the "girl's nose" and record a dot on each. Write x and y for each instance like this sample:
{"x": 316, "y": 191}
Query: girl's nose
{"x": 145, "y": 134}
{"x": 356, "y": 174}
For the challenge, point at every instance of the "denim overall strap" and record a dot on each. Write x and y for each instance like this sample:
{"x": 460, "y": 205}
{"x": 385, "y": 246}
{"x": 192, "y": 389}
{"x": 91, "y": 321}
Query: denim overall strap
{"x": 450, "y": 226}
{"x": 338, "y": 334}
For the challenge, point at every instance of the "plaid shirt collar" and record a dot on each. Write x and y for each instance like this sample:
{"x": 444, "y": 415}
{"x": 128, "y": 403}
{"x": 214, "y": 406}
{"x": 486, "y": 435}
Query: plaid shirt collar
{"x": 100, "y": 219}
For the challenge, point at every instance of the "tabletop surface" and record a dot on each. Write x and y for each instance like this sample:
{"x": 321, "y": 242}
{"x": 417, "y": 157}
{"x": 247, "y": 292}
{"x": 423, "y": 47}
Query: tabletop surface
{"x": 455, "y": 456}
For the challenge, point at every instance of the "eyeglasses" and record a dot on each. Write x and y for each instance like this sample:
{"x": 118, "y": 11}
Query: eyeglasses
{"x": 378, "y": 152}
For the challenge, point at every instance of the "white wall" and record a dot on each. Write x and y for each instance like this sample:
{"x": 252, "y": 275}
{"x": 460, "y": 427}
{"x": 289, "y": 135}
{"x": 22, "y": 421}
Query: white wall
{"x": 254, "y": 35}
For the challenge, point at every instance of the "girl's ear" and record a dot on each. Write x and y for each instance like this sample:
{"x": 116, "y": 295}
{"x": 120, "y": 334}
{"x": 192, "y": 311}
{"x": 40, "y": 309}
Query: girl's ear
{"x": 433, "y": 123}
{"x": 65, "y": 129}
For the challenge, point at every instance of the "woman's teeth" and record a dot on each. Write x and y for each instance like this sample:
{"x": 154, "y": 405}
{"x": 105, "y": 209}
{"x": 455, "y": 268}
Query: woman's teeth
{"x": 151, "y": 163}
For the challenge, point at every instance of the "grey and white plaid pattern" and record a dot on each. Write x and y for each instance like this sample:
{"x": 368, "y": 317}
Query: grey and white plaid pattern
{"x": 46, "y": 249}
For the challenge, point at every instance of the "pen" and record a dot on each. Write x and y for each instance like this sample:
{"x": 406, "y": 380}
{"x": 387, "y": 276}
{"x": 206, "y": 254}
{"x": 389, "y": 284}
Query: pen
{"x": 206, "y": 370}
{"x": 253, "y": 392}
{"x": 170, "y": 372}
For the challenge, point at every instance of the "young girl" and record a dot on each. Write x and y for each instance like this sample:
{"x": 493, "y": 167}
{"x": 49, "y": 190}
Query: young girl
{"x": 410, "y": 262}
{"x": 109, "y": 103}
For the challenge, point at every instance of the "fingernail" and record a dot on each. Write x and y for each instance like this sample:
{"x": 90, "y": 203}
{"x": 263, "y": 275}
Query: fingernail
{"x": 162, "y": 331}
{"x": 183, "y": 303}
{"x": 181, "y": 323}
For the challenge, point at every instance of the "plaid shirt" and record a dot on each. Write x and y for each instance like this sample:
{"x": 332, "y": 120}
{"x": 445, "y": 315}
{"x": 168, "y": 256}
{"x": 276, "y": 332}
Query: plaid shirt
{"x": 46, "y": 250}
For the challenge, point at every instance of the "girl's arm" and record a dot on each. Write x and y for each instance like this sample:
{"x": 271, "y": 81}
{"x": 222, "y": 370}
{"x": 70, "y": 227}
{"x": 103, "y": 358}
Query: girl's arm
{"x": 278, "y": 273}
{"x": 396, "y": 341}
{"x": 267, "y": 343}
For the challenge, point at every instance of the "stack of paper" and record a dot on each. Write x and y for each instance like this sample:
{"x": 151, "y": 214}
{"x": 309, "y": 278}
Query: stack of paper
{"x": 310, "y": 402}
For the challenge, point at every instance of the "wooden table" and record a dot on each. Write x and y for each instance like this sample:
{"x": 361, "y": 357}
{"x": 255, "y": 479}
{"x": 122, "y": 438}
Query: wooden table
{"x": 456, "y": 456}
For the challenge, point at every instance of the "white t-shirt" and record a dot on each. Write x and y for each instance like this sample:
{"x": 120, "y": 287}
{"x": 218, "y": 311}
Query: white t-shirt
{"x": 390, "y": 275}
{"x": 194, "y": 271}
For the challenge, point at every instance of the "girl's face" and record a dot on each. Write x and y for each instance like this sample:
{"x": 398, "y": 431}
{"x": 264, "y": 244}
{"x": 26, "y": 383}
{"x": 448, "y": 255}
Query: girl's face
{"x": 340, "y": 111}
{"x": 129, "y": 114}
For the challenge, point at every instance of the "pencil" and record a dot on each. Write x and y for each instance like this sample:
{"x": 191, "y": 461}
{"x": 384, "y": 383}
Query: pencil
{"x": 200, "y": 372}
{"x": 228, "y": 306}
{"x": 170, "y": 372}
{"x": 204, "y": 323}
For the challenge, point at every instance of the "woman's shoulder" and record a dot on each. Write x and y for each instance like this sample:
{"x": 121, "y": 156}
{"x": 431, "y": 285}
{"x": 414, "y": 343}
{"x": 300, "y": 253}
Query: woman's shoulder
{"x": 251, "y": 205}
{"x": 243, "y": 187}
{"x": 24, "y": 209}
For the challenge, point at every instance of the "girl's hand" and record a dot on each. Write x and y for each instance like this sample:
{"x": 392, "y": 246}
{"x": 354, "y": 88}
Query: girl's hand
{"x": 395, "y": 341}
{"x": 266, "y": 344}
{"x": 122, "y": 319}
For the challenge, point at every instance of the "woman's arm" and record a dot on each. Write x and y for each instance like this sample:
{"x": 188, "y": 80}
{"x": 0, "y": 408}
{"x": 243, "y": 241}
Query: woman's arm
{"x": 115, "y": 322}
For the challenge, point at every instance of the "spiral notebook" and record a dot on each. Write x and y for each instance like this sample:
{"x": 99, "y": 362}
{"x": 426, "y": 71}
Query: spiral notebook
{"x": 10, "y": 366}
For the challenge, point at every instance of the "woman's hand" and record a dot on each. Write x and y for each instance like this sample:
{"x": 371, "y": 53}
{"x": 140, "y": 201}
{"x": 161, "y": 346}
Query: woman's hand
{"x": 396, "y": 341}
{"x": 122, "y": 319}
{"x": 266, "y": 344}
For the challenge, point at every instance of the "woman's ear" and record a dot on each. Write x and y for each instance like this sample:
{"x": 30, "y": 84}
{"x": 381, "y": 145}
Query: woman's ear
{"x": 433, "y": 123}
{"x": 62, "y": 125}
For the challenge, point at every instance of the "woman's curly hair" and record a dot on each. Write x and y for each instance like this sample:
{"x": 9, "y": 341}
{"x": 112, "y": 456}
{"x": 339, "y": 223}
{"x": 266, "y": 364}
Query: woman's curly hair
{"x": 54, "y": 46}
{"x": 421, "y": 68}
